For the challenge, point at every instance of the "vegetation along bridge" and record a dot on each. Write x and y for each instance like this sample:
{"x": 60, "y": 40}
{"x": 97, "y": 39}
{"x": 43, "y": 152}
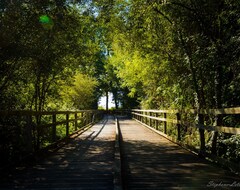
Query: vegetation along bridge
{"x": 155, "y": 54}
{"x": 98, "y": 150}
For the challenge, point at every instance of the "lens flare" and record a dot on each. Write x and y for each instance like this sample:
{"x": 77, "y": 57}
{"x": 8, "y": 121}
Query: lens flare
{"x": 46, "y": 22}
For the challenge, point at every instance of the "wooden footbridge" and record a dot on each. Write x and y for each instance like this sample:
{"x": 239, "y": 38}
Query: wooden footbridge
{"x": 116, "y": 154}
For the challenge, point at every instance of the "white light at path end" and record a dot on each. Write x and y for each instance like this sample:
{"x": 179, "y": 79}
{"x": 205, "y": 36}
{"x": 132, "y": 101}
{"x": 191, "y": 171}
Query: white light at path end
{"x": 102, "y": 102}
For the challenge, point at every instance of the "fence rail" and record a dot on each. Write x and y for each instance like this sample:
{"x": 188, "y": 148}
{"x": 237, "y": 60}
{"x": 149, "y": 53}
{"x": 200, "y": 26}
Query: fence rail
{"x": 140, "y": 114}
{"x": 235, "y": 110}
{"x": 24, "y": 132}
{"x": 205, "y": 121}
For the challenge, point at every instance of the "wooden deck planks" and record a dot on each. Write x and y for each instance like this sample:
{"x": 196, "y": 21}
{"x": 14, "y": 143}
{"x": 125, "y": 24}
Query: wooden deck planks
{"x": 150, "y": 162}
{"x": 86, "y": 163}
{"x": 153, "y": 162}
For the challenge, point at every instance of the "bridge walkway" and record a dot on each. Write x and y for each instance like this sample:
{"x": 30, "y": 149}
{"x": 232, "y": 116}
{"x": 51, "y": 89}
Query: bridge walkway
{"x": 152, "y": 162}
{"x": 149, "y": 162}
{"x": 86, "y": 163}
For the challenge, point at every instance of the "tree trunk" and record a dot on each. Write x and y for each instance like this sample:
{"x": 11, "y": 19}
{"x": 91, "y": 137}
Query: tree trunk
{"x": 107, "y": 97}
{"x": 199, "y": 105}
{"x": 199, "y": 99}
{"x": 218, "y": 98}
{"x": 202, "y": 136}
{"x": 115, "y": 97}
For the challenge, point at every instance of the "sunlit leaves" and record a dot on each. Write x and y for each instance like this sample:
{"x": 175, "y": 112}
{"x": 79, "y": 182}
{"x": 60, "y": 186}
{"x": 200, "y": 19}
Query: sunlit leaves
{"x": 80, "y": 95}
{"x": 46, "y": 41}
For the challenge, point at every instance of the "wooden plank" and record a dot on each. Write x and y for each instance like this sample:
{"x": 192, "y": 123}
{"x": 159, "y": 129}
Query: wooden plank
{"x": 234, "y": 110}
{"x": 175, "y": 121}
{"x": 86, "y": 162}
{"x": 36, "y": 113}
{"x": 156, "y": 111}
{"x": 222, "y": 111}
{"x": 224, "y": 129}
{"x": 156, "y": 163}
{"x": 117, "y": 172}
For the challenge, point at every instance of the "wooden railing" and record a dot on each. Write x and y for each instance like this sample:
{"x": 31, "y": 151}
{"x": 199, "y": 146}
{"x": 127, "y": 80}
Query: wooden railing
{"x": 154, "y": 115}
{"x": 203, "y": 120}
{"x": 24, "y": 132}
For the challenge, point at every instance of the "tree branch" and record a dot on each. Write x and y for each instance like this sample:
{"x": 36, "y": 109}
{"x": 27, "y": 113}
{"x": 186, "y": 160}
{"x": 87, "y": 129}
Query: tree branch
{"x": 161, "y": 13}
{"x": 183, "y": 6}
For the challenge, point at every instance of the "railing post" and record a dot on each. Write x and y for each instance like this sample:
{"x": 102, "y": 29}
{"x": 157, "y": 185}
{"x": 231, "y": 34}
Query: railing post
{"x": 39, "y": 131}
{"x": 202, "y": 136}
{"x": 88, "y": 118}
{"x": 157, "y": 122}
{"x": 218, "y": 122}
{"x": 67, "y": 124}
{"x": 143, "y": 117}
{"x": 165, "y": 123}
{"x": 81, "y": 116}
{"x": 150, "y": 120}
{"x": 146, "y": 119}
{"x": 75, "y": 117}
{"x": 93, "y": 117}
{"x": 178, "y": 126}
{"x": 54, "y": 119}
{"x": 28, "y": 137}
{"x": 84, "y": 118}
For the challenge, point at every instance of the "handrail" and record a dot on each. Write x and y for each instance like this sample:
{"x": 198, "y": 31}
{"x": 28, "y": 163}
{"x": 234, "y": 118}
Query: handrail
{"x": 36, "y": 113}
{"x": 157, "y": 111}
{"x": 234, "y": 110}
{"x": 224, "y": 129}
{"x": 34, "y": 131}
{"x": 159, "y": 120}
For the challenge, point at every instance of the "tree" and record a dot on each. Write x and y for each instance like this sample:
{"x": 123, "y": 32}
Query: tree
{"x": 81, "y": 94}
{"x": 46, "y": 41}
{"x": 178, "y": 53}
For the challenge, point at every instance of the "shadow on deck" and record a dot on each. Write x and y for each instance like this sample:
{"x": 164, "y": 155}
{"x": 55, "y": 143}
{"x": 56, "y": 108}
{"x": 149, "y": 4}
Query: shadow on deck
{"x": 85, "y": 163}
{"x": 153, "y": 162}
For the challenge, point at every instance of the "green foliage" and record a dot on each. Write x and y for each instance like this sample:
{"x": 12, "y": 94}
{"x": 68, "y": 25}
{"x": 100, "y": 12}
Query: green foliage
{"x": 80, "y": 95}
{"x": 180, "y": 45}
{"x": 159, "y": 54}
{"x": 230, "y": 148}
{"x": 47, "y": 51}
{"x": 177, "y": 54}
